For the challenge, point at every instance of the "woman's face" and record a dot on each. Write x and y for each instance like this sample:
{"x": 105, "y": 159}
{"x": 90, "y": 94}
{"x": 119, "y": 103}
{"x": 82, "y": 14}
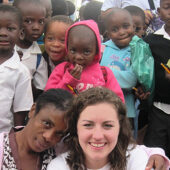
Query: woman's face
{"x": 45, "y": 129}
{"x": 98, "y": 130}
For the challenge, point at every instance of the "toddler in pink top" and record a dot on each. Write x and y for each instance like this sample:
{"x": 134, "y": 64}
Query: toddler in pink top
{"x": 83, "y": 71}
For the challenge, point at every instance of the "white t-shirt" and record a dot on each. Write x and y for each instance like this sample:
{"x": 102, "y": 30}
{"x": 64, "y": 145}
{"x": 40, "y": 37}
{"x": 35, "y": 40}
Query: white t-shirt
{"x": 16, "y": 91}
{"x": 29, "y": 59}
{"x": 136, "y": 161}
{"x": 123, "y": 3}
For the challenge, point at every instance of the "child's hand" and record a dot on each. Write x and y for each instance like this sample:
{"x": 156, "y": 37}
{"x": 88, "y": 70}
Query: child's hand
{"x": 141, "y": 94}
{"x": 76, "y": 71}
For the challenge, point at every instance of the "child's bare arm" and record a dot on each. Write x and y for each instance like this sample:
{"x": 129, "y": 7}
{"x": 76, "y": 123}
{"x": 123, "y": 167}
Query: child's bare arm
{"x": 19, "y": 118}
{"x": 141, "y": 94}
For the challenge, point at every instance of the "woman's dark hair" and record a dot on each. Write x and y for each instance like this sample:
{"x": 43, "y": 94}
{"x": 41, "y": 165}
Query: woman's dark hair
{"x": 59, "y": 98}
{"x": 70, "y": 8}
{"x": 117, "y": 158}
{"x": 14, "y": 10}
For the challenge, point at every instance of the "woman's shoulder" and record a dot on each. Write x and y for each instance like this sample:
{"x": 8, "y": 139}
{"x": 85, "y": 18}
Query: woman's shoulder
{"x": 59, "y": 162}
{"x": 137, "y": 158}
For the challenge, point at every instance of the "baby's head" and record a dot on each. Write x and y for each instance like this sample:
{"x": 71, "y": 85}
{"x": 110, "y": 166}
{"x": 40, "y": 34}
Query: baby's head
{"x": 83, "y": 43}
{"x": 54, "y": 40}
{"x": 10, "y": 28}
{"x": 164, "y": 12}
{"x": 119, "y": 25}
{"x": 138, "y": 17}
{"x": 34, "y": 14}
{"x": 48, "y": 6}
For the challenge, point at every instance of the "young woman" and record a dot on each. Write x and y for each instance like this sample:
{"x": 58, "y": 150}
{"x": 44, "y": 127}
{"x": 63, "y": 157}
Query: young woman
{"x": 99, "y": 135}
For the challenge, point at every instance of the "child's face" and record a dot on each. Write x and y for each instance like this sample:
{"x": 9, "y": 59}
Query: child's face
{"x": 121, "y": 29}
{"x": 139, "y": 26}
{"x": 55, "y": 40}
{"x": 33, "y": 20}
{"x": 9, "y": 31}
{"x": 82, "y": 45}
{"x": 164, "y": 12}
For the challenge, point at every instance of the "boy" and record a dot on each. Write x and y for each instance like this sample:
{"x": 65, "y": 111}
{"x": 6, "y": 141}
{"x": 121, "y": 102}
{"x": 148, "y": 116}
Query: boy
{"x": 158, "y": 133}
{"x": 15, "y": 82}
{"x": 34, "y": 14}
{"x": 138, "y": 17}
{"x": 120, "y": 55}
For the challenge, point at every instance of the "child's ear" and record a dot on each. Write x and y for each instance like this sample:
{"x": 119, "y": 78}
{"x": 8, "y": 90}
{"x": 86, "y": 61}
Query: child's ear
{"x": 22, "y": 34}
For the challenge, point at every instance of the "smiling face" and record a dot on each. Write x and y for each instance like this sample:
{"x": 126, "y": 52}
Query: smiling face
{"x": 55, "y": 40}
{"x": 98, "y": 130}
{"x": 33, "y": 20}
{"x": 164, "y": 12}
{"x": 82, "y": 45}
{"x": 45, "y": 129}
{"x": 9, "y": 31}
{"x": 120, "y": 28}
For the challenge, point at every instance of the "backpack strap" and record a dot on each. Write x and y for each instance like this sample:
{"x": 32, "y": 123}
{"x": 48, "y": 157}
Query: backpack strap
{"x": 1, "y": 148}
{"x": 104, "y": 71}
{"x": 151, "y": 4}
{"x": 38, "y": 60}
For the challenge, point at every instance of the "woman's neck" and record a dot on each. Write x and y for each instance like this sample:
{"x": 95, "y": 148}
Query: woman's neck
{"x": 23, "y": 147}
{"x": 91, "y": 164}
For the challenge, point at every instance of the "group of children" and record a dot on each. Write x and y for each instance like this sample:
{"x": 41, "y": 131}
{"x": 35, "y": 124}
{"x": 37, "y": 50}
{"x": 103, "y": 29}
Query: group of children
{"x": 72, "y": 60}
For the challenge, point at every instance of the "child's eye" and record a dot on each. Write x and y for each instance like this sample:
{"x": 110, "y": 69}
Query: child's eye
{"x": 41, "y": 21}
{"x": 86, "y": 52}
{"x": 11, "y": 28}
{"x": 28, "y": 21}
{"x": 114, "y": 29}
{"x": 50, "y": 38}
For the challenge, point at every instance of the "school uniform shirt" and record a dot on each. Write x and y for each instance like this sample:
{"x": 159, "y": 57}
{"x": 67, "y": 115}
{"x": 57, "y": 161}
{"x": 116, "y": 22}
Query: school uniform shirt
{"x": 92, "y": 75}
{"x": 123, "y": 3}
{"x": 30, "y": 59}
{"x": 137, "y": 160}
{"x": 159, "y": 44}
{"x": 16, "y": 91}
{"x": 118, "y": 60}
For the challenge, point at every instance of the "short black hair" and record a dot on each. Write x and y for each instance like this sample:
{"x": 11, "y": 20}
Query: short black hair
{"x": 59, "y": 7}
{"x": 136, "y": 11}
{"x": 59, "y": 98}
{"x": 59, "y": 18}
{"x": 14, "y": 10}
{"x": 17, "y": 2}
{"x": 70, "y": 7}
{"x": 92, "y": 10}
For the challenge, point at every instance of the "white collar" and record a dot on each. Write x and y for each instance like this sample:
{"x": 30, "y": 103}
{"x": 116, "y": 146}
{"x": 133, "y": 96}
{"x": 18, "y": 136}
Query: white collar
{"x": 12, "y": 62}
{"x": 162, "y": 31}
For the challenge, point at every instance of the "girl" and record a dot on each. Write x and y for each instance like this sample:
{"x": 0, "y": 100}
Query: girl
{"x": 54, "y": 41}
{"x": 83, "y": 71}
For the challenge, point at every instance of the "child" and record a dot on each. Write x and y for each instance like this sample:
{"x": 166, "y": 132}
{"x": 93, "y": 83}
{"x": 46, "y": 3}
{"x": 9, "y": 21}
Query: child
{"x": 34, "y": 13}
{"x": 15, "y": 82}
{"x": 138, "y": 17}
{"x": 83, "y": 71}
{"x": 54, "y": 40}
{"x": 158, "y": 132}
{"x": 126, "y": 56}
